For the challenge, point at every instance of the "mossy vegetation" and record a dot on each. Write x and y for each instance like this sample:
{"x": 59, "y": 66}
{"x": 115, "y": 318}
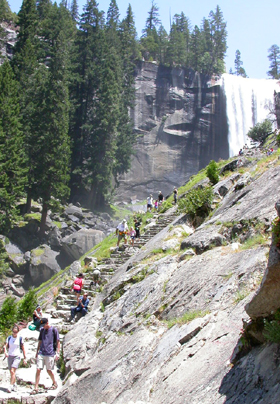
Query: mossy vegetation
{"x": 186, "y": 317}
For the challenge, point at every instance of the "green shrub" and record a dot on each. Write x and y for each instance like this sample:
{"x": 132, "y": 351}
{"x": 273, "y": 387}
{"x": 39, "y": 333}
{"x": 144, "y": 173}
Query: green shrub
{"x": 276, "y": 231}
{"x": 272, "y": 328}
{"x": 186, "y": 318}
{"x": 8, "y": 314}
{"x": 212, "y": 172}
{"x": 197, "y": 202}
{"x": 26, "y": 305}
{"x": 165, "y": 206}
{"x": 260, "y": 131}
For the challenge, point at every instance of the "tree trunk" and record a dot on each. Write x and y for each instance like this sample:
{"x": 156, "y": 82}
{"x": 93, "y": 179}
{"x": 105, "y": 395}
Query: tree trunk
{"x": 28, "y": 203}
{"x": 43, "y": 220}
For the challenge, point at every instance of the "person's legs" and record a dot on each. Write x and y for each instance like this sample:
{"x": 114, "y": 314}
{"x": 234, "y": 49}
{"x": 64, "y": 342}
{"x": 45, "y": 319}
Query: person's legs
{"x": 84, "y": 311}
{"x": 52, "y": 377}
{"x": 37, "y": 378}
{"x": 73, "y": 312}
{"x": 13, "y": 375}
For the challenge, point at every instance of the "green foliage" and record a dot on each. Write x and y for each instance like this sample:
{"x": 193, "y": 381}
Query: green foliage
{"x": 186, "y": 318}
{"x": 212, "y": 172}
{"x": 239, "y": 70}
{"x": 26, "y": 305}
{"x": 276, "y": 231}
{"x": 197, "y": 202}
{"x": 165, "y": 206}
{"x": 12, "y": 158}
{"x": 260, "y": 131}
{"x": 254, "y": 242}
{"x": 8, "y": 314}
{"x": 274, "y": 58}
{"x": 272, "y": 328}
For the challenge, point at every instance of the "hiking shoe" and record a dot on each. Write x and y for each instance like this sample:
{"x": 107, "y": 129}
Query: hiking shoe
{"x": 9, "y": 389}
{"x": 14, "y": 387}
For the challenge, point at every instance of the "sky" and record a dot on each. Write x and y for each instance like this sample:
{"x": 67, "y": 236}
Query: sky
{"x": 252, "y": 25}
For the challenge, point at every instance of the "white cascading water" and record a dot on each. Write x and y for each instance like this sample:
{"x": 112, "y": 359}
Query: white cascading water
{"x": 247, "y": 103}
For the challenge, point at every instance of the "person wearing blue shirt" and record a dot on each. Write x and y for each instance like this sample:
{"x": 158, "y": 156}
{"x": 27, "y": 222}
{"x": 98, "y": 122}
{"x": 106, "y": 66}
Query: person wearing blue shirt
{"x": 82, "y": 306}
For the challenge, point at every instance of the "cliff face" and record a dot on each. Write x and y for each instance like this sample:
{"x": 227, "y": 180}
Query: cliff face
{"x": 128, "y": 354}
{"x": 180, "y": 125}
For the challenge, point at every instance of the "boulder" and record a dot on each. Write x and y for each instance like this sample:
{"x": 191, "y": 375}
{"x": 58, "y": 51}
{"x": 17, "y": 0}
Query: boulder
{"x": 43, "y": 264}
{"x": 80, "y": 242}
{"x": 16, "y": 255}
{"x": 54, "y": 237}
{"x": 73, "y": 210}
{"x": 203, "y": 240}
{"x": 267, "y": 299}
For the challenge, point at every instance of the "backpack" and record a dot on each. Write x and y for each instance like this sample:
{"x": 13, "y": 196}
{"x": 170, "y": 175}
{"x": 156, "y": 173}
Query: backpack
{"x": 20, "y": 342}
{"x": 54, "y": 340}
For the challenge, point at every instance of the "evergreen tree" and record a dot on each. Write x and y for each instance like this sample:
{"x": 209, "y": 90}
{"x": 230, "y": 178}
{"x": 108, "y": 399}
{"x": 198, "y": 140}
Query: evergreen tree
{"x": 196, "y": 49}
{"x": 150, "y": 39}
{"x": 74, "y": 9}
{"x": 274, "y": 58}
{"x": 219, "y": 43}
{"x": 12, "y": 159}
{"x": 179, "y": 38}
{"x": 239, "y": 70}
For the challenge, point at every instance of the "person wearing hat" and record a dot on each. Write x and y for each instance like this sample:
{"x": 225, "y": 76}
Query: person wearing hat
{"x": 121, "y": 232}
{"x": 175, "y": 194}
{"x": 82, "y": 306}
{"x": 160, "y": 198}
{"x": 37, "y": 315}
{"x": 78, "y": 285}
{"x": 47, "y": 353}
{"x": 150, "y": 203}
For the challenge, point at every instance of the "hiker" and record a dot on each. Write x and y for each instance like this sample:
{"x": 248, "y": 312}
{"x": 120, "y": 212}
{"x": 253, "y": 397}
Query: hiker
{"x": 78, "y": 285}
{"x": 175, "y": 194}
{"x": 132, "y": 234}
{"x": 150, "y": 203}
{"x": 160, "y": 198}
{"x": 14, "y": 344}
{"x": 47, "y": 353}
{"x": 96, "y": 277}
{"x": 156, "y": 205}
{"x": 137, "y": 225}
{"x": 121, "y": 232}
{"x": 81, "y": 306}
{"x": 37, "y": 316}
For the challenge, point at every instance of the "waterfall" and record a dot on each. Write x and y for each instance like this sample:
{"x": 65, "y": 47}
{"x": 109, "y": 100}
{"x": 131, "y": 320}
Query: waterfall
{"x": 247, "y": 103}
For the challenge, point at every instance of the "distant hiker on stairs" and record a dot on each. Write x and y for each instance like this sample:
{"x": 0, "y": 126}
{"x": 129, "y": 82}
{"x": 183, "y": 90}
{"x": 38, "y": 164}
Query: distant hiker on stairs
{"x": 121, "y": 232}
{"x": 78, "y": 285}
{"x": 82, "y": 307}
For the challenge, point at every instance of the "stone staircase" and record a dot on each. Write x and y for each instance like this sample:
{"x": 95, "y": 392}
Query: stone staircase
{"x": 107, "y": 267}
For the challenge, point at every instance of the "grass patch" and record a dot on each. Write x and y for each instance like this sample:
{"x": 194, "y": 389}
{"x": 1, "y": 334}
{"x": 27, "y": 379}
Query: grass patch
{"x": 35, "y": 216}
{"x": 253, "y": 242}
{"x": 186, "y": 318}
{"x": 240, "y": 295}
{"x": 38, "y": 252}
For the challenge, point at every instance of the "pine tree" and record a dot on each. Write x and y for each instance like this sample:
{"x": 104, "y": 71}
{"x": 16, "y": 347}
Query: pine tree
{"x": 219, "y": 43}
{"x": 150, "y": 40}
{"x": 239, "y": 70}
{"x": 274, "y": 58}
{"x": 74, "y": 10}
{"x": 12, "y": 159}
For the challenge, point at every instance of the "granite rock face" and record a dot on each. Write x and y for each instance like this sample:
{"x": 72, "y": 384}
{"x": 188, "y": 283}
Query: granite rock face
{"x": 130, "y": 354}
{"x": 180, "y": 125}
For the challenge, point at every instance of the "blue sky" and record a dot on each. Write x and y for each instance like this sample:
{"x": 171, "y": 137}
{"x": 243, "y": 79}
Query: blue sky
{"x": 252, "y": 25}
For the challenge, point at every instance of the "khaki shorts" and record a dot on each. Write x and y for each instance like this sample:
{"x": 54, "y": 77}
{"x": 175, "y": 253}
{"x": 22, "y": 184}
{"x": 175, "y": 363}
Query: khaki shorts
{"x": 47, "y": 361}
{"x": 13, "y": 362}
